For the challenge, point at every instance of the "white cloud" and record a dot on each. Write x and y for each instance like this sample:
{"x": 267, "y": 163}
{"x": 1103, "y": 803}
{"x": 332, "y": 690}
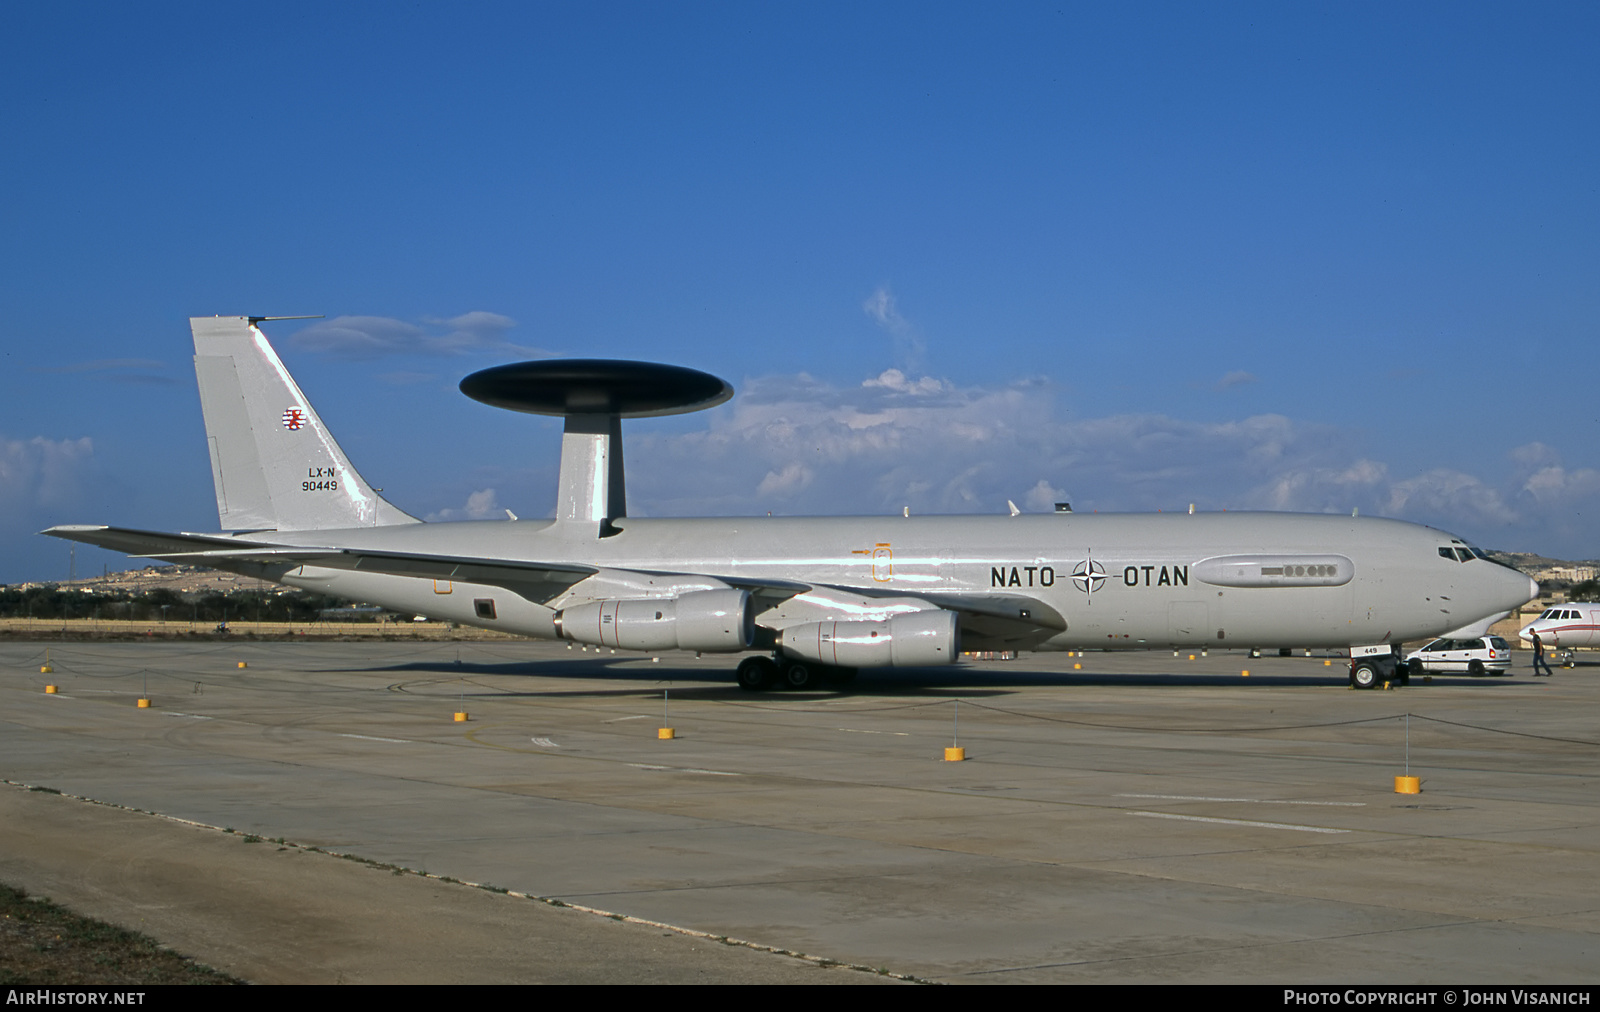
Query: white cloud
{"x": 481, "y": 505}
{"x": 1531, "y": 456}
{"x": 1564, "y": 501}
{"x": 1325, "y": 489}
{"x": 1237, "y": 378}
{"x": 1042, "y": 498}
{"x": 909, "y": 347}
{"x": 368, "y": 337}
{"x": 894, "y": 379}
{"x": 1442, "y": 492}
{"x": 784, "y": 484}
{"x": 42, "y": 473}
{"x": 803, "y": 446}
{"x": 475, "y": 331}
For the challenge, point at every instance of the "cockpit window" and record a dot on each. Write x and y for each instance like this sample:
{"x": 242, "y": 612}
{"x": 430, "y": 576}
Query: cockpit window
{"x": 1445, "y": 553}
{"x": 1463, "y": 555}
{"x": 1478, "y": 553}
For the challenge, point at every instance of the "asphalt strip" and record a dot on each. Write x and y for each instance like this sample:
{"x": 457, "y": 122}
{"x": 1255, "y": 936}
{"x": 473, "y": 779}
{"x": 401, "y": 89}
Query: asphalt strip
{"x": 277, "y": 913}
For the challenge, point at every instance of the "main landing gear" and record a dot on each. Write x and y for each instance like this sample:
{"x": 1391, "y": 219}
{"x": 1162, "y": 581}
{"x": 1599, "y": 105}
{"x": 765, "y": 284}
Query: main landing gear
{"x": 1374, "y": 672}
{"x": 757, "y": 674}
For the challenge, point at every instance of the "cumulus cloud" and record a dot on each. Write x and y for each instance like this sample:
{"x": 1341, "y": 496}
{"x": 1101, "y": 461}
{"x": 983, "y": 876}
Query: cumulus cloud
{"x": 45, "y": 481}
{"x": 1237, "y": 378}
{"x": 1042, "y": 498}
{"x": 1360, "y": 483}
{"x": 798, "y": 445}
{"x": 41, "y": 473}
{"x": 481, "y": 505}
{"x": 784, "y": 484}
{"x": 1442, "y": 492}
{"x": 1564, "y": 500}
{"x": 894, "y": 379}
{"x": 369, "y": 337}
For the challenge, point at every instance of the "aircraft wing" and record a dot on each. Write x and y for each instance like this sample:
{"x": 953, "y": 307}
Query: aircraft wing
{"x": 537, "y": 581}
{"x": 1002, "y": 608}
{"x": 1005, "y": 616}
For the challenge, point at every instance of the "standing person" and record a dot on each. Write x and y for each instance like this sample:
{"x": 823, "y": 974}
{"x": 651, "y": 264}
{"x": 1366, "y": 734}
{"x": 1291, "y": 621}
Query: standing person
{"x": 1538, "y": 657}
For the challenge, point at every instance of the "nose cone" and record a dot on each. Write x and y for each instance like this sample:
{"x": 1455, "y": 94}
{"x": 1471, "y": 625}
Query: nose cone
{"x": 1526, "y": 633}
{"x": 1499, "y": 591}
{"x": 1517, "y": 588}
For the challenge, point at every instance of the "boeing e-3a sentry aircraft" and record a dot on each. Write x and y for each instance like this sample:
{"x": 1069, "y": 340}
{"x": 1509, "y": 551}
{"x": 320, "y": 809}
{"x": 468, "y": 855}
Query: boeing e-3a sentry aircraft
{"x": 814, "y": 598}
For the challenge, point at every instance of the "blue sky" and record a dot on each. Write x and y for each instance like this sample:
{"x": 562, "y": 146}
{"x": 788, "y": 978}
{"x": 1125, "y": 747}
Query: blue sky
{"x": 1287, "y": 256}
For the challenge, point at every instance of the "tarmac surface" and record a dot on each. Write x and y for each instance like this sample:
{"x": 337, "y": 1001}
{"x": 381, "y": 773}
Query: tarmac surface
{"x": 1143, "y": 818}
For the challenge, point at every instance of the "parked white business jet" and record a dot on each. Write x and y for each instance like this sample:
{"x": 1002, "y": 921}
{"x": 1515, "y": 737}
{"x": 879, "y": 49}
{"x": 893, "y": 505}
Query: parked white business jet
{"x": 817, "y": 597}
{"x": 1574, "y": 624}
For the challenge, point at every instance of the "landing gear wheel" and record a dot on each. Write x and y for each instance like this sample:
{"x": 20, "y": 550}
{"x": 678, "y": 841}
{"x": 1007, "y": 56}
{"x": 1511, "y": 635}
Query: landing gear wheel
{"x": 1364, "y": 676}
{"x": 799, "y": 676}
{"x": 756, "y": 674}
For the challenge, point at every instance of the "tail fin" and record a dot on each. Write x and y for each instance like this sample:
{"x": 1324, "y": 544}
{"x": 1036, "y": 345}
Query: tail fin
{"x": 274, "y": 463}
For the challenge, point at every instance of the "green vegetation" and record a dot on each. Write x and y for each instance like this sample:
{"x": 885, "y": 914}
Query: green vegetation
{"x": 41, "y": 943}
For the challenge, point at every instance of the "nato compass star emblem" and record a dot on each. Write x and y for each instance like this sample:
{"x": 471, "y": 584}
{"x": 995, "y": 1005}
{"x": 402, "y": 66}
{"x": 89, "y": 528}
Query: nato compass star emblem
{"x": 1089, "y": 575}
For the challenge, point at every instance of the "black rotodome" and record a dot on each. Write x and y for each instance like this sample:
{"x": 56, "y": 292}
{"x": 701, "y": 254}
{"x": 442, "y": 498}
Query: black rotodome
{"x": 596, "y": 386}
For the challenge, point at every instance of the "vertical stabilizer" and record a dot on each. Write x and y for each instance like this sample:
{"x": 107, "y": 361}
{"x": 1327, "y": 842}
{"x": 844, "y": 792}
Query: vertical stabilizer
{"x": 275, "y": 465}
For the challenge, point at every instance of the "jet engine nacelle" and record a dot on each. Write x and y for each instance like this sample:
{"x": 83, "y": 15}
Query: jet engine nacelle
{"x": 918, "y": 638}
{"x": 708, "y": 620}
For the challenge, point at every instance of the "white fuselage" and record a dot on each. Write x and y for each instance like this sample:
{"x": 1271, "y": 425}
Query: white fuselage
{"x": 1075, "y": 580}
{"x": 1575, "y": 624}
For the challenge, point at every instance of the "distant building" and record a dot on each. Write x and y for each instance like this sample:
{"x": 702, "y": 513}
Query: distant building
{"x": 1571, "y": 574}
